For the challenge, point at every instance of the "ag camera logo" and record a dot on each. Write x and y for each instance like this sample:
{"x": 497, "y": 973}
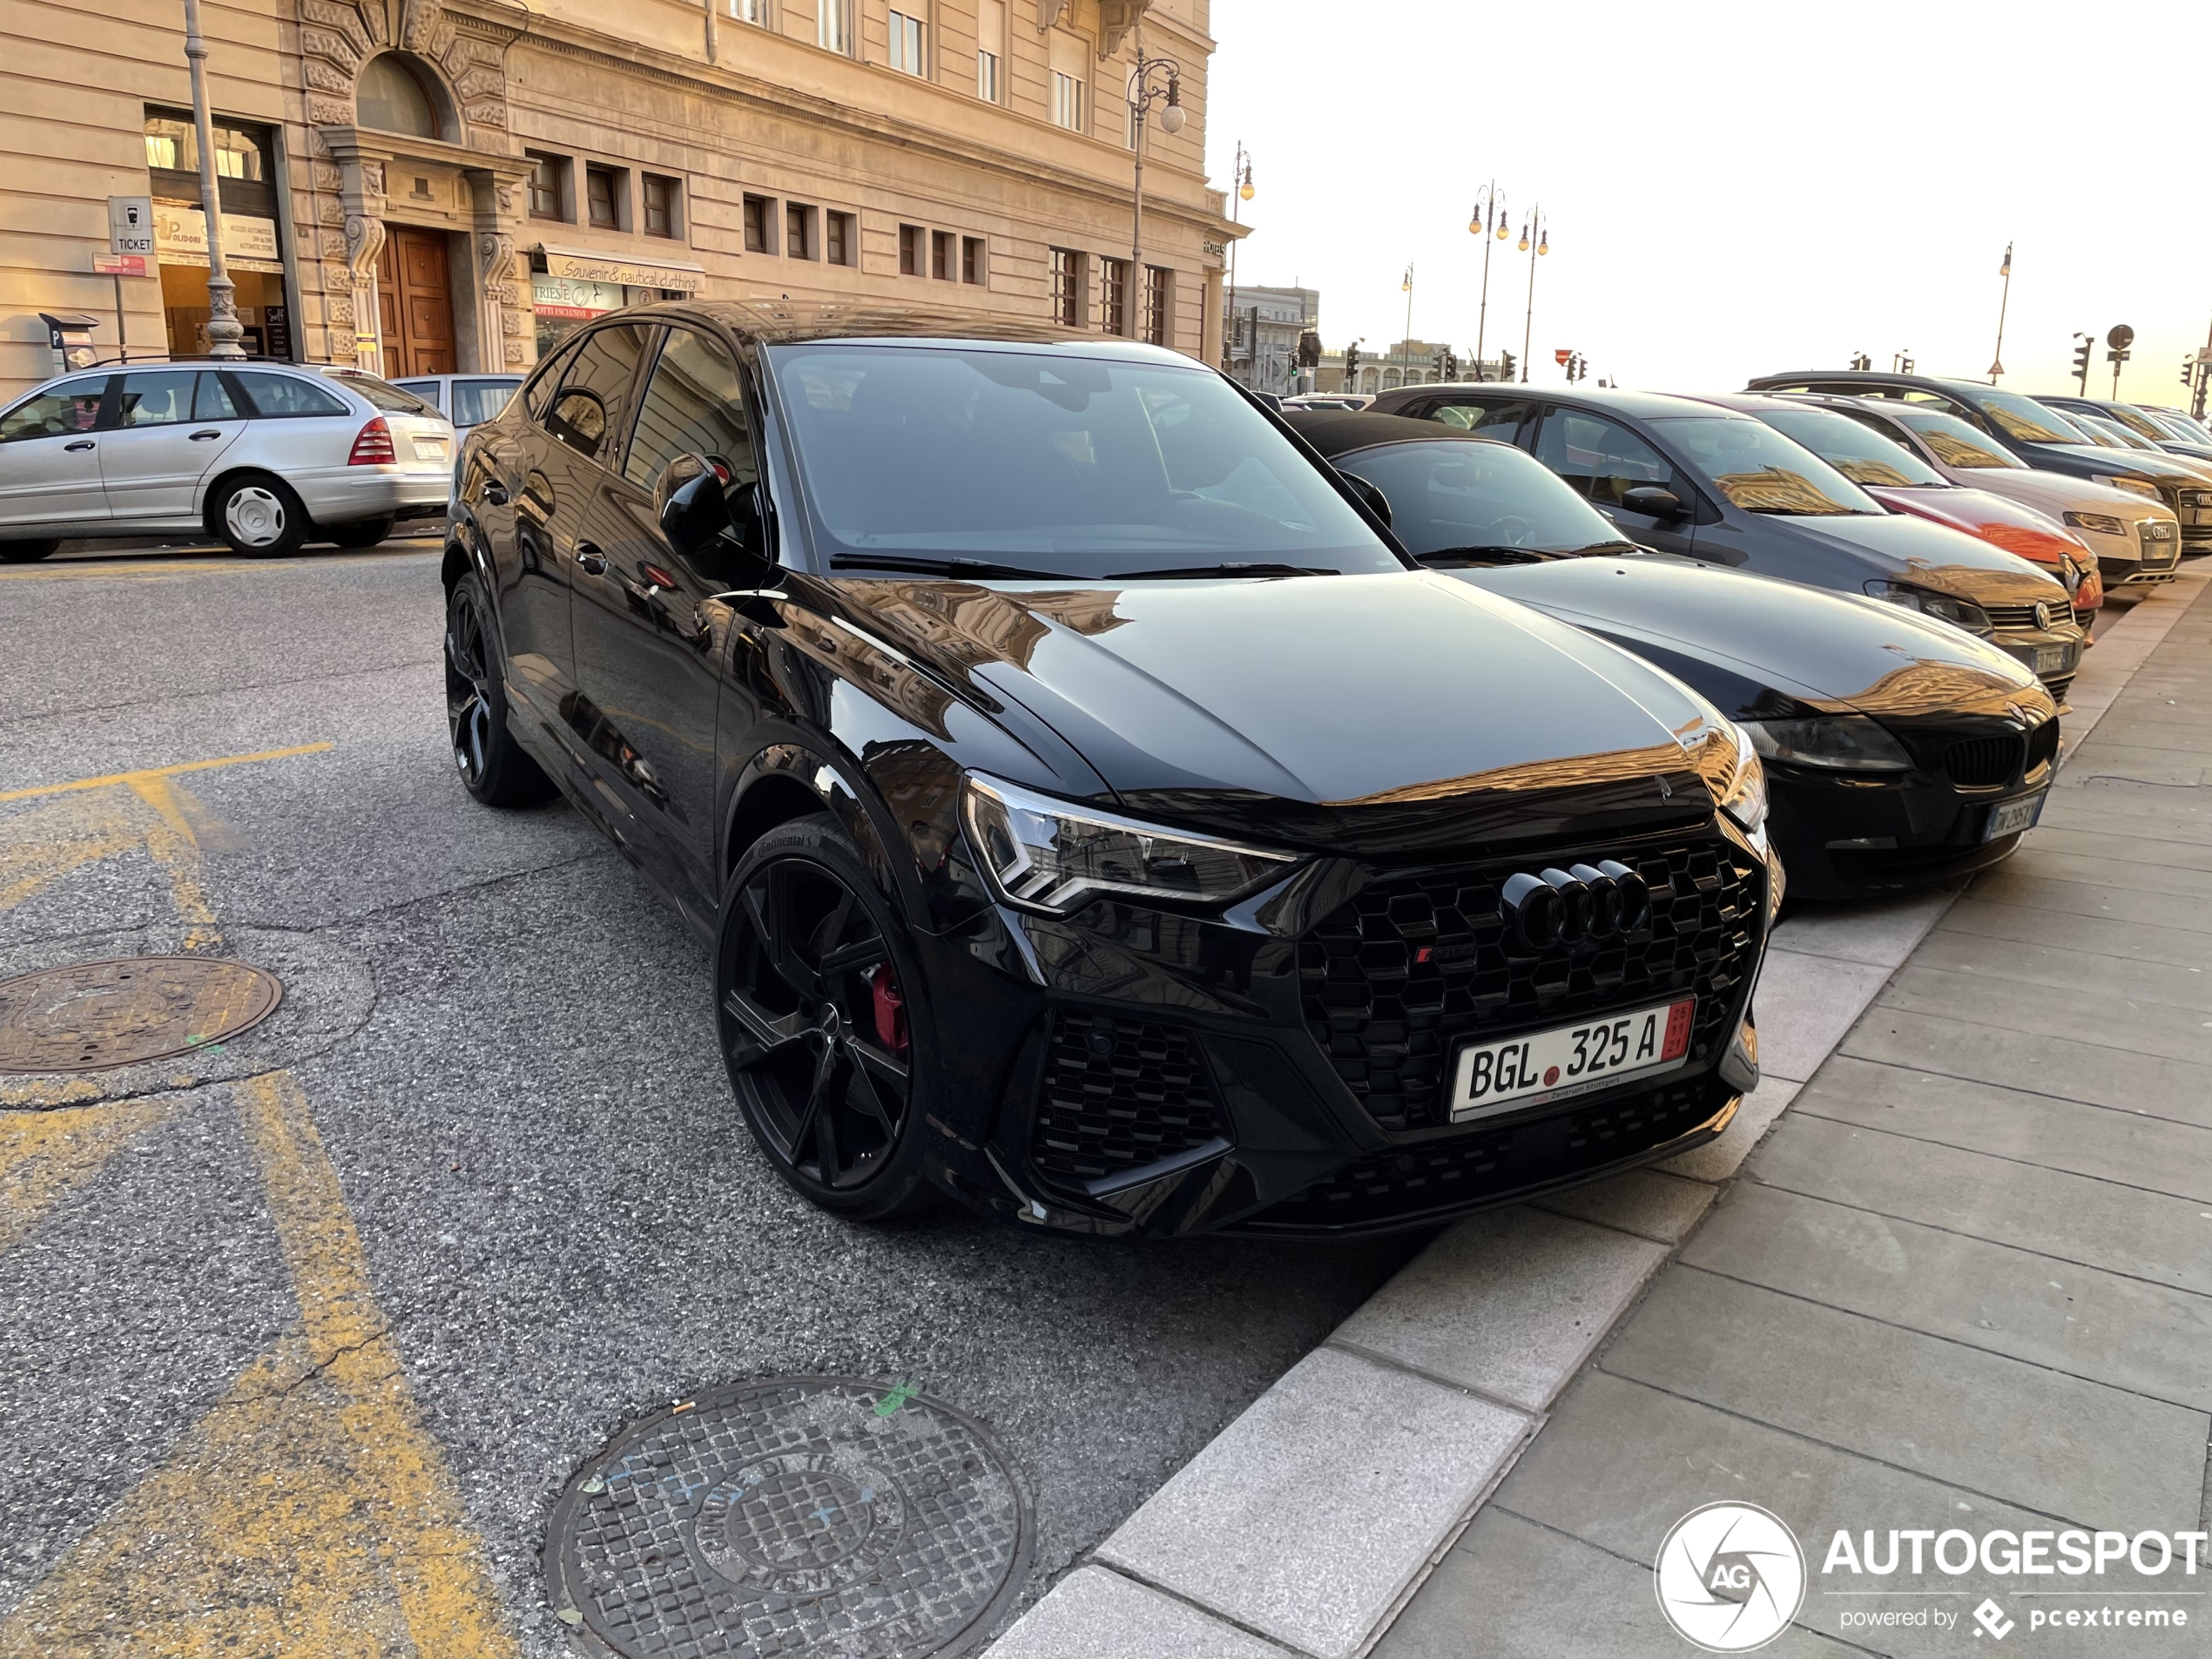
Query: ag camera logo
{"x": 1729, "y": 1577}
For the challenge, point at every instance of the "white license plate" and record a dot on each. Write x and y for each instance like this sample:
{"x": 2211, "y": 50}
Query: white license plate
{"x": 1567, "y": 1060}
{"x": 2011, "y": 817}
{"x": 429, "y": 448}
{"x": 2049, "y": 659}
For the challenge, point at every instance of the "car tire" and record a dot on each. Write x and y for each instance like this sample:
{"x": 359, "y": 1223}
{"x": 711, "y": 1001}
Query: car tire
{"x": 822, "y": 1058}
{"x": 365, "y": 532}
{"x": 259, "y": 516}
{"x": 495, "y": 769}
{"x": 25, "y": 552}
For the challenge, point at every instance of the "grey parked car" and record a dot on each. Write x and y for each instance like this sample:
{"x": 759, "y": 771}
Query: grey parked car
{"x": 263, "y": 457}
{"x": 466, "y": 399}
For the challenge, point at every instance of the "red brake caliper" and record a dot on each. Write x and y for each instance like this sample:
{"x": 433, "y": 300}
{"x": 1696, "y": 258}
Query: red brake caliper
{"x": 890, "y": 1009}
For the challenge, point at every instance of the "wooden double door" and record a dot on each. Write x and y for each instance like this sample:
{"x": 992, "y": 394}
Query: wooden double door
{"x": 415, "y": 303}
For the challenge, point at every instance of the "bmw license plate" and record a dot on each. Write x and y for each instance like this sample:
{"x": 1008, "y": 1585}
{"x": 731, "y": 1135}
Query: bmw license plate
{"x": 2011, "y": 817}
{"x": 1527, "y": 1070}
{"x": 2049, "y": 659}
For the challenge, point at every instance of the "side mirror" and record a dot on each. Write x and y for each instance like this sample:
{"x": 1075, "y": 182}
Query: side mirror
{"x": 1378, "y": 503}
{"x": 1653, "y": 502}
{"x": 719, "y": 532}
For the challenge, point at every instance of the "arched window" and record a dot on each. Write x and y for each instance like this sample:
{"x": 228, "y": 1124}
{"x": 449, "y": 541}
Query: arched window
{"x": 392, "y": 98}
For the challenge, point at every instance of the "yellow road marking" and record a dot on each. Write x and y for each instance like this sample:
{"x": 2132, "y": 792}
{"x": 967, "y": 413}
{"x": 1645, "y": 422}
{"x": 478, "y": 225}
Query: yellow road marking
{"x": 310, "y": 1512}
{"x": 45, "y": 1155}
{"x": 172, "y": 845}
{"x": 46, "y": 843}
{"x": 133, "y": 778}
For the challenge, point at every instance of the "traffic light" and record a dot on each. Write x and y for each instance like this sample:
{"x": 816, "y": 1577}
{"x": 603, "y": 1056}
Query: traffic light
{"x": 1451, "y": 365}
{"x": 1861, "y": 362}
{"x": 1577, "y": 365}
{"x": 1504, "y": 366}
{"x": 2081, "y": 362}
{"x": 1436, "y": 362}
{"x": 2189, "y": 370}
{"x": 1350, "y": 367}
{"x": 1309, "y": 350}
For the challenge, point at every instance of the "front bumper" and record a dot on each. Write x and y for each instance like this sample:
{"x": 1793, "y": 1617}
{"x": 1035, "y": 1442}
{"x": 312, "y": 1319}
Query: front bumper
{"x": 1284, "y": 1070}
{"x": 2052, "y": 655}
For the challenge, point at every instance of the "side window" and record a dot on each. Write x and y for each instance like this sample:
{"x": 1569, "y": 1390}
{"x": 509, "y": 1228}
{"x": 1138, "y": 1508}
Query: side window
{"x": 213, "y": 402}
{"x": 1602, "y": 460}
{"x": 290, "y": 395}
{"x": 59, "y": 412}
{"x": 161, "y": 399}
{"x": 587, "y": 412}
{"x": 695, "y": 404}
{"x": 1501, "y": 420}
{"x": 477, "y": 402}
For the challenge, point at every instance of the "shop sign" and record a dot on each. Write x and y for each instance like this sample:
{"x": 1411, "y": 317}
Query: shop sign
{"x": 575, "y": 298}
{"x": 180, "y": 233}
{"x": 608, "y": 270}
{"x": 119, "y": 265}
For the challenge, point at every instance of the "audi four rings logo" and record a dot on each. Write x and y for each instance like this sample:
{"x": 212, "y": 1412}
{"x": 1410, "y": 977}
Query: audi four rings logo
{"x": 1608, "y": 901}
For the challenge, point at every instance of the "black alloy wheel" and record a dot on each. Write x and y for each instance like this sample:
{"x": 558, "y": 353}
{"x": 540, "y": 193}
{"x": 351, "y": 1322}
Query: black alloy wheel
{"x": 494, "y": 767}
{"x": 810, "y": 979}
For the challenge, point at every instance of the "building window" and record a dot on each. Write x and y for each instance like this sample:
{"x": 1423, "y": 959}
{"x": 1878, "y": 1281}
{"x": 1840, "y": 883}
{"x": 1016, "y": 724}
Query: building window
{"x": 754, "y": 11}
{"x": 546, "y": 177}
{"x": 990, "y": 50}
{"x": 972, "y": 267}
{"x": 799, "y": 232}
{"x": 1068, "y": 296}
{"x": 1067, "y": 101}
{"x": 1113, "y": 280}
{"x": 1156, "y": 297}
{"x": 760, "y": 225}
{"x": 841, "y": 239}
{"x": 941, "y": 243}
{"x": 392, "y": 98}
{"x": 660, "y": 205}
{"x": 833, "y": 24}
{"x": 906, "y": 45}
{"x": 602, "y": 191}
{"x": 910, "y": 245}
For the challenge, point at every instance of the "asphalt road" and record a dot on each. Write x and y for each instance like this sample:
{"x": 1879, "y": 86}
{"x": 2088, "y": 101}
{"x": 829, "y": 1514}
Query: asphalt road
{"x": 307, "y": 1330}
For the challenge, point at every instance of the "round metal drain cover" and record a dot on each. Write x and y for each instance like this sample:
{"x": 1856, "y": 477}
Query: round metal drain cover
{"x": 91, "y": 1016}
{"x": 797, "y": 1517}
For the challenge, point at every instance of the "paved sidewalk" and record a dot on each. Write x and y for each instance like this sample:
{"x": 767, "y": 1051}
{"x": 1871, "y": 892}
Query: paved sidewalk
{"x": 1965, "y": 1282}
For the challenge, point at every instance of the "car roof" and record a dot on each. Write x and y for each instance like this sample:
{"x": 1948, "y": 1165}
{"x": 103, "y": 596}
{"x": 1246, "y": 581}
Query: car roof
{"x": 1750, "y": 402}
{"x": 785, "y": 322}
{"x": 1871, "y": 377}
{"x": 1337, "y": 432}
{"x": 1645, "y": 405}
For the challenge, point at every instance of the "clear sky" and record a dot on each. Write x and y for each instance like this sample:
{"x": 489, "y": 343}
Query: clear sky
{"x": 1735, "y": 189}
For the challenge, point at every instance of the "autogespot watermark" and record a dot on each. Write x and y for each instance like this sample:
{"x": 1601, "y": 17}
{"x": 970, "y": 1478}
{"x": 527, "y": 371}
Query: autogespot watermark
{"x": 1730, "y": 1577}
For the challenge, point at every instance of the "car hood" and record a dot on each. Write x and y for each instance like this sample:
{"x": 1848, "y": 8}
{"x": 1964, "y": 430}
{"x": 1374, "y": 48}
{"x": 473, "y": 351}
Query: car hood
{"x": 2058, "y": 492}
{"x": 1763, "y": 649}
{"x": 2004, "y": 524}
{"x": 1935, "y": 556}
{"x": 1398, "y": 713}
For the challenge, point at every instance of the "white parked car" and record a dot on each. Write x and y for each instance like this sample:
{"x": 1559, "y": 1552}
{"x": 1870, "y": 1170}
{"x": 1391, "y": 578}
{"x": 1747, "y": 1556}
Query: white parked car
{"x": 265, "y": 456}
{"x": 2136, "y": 539}
{"x": 465, "y": 400}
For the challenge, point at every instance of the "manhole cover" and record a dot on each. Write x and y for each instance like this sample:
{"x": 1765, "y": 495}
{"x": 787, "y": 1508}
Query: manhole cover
{"x": 801, "y": 1516}
{"x": 90, "y": 1016}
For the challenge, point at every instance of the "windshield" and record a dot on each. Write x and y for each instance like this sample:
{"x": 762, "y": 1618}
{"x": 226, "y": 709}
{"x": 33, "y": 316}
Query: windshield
{"x": 1462, "y": 492}
{"x": 1080, "y": 467}
{"x": 2180, "y": 427}
{"x": 1955, "y": 444}
{"x": 1862, "y": 456}
{"x": 2025, "y": 418}
{"x": 2103, "y": 434}
{"x": 1761, "y": 470}
{"x": 2136, "y": 422}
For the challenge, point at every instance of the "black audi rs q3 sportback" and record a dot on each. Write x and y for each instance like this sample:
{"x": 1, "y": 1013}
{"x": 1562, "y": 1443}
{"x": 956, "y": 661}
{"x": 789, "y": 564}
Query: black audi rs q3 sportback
{"x": 1096, "y": 813}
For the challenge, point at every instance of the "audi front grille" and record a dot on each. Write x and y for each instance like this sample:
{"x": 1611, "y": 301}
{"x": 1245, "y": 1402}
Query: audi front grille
{"x": 1118, "y": 1095}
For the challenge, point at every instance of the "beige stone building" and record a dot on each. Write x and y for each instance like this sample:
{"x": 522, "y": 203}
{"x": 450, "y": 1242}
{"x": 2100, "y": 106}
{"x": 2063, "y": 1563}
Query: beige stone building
{"x": 432, "y": 186}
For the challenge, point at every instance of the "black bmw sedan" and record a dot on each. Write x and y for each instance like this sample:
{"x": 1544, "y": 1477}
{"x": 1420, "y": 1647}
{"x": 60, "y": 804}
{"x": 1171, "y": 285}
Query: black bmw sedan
{"x": 1898, "y": 751}
{"x": 1094, "y": 813}
{"x": 1685, "y": 475}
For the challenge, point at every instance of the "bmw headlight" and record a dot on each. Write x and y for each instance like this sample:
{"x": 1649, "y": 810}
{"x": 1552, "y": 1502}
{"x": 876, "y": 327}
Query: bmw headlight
{"x": 1833, "y": 741}
{"x": 2133, "y": 486}
{"x": 1959, "y": 612}
{"x": 1054, "y": 857}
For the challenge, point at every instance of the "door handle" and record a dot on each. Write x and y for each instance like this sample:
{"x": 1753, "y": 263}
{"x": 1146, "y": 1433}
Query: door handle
{"x": 82, "y": 443}
{"x": 202, "y": 437}
{"x": 593, "y": 561}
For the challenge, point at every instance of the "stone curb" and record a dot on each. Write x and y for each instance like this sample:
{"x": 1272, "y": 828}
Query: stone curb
{"x": 1308, "y": 1522}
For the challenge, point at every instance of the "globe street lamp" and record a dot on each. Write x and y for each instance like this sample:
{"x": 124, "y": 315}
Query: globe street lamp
{"x": 224, "y": 331}
{"x": 1241, "y": 176}
{"x": 1152, "y": 79}
{"x": 1489, "y": 210}
{"x": 1537, "y": 227}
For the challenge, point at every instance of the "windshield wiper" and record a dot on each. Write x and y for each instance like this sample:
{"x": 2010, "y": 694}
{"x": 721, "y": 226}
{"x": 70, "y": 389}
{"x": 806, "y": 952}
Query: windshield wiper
{"x": 955, "y": 567}
{"x": 1223, "y": 570}
{"x": 1492, "y": 556}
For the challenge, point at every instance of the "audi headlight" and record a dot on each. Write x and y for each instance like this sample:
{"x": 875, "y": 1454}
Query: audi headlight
{"x": 2102, "y": 523}
{"x": 2133, "y": 486}
{"x": 1958, "y": 612}
{"x": 1054, "y": 857}
{"x": 1833, "y": 741}
{"x": 1743, "y": 797}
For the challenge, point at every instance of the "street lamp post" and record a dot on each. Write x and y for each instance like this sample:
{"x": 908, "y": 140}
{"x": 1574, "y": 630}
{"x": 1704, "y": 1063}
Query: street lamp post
{"x": 223, "y": 330}
{"x": 1240, "y": 178}
{"x": 1997, "y": 359}
{"x": 1406, "y": 346}
{"x": 1489, "y": 210}
{"x": 1536, "y": 226}
{"x": 1143, "y": 91}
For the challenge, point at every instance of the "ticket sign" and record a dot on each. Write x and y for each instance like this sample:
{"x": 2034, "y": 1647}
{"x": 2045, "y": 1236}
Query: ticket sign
{"x": 130, "y": 224}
